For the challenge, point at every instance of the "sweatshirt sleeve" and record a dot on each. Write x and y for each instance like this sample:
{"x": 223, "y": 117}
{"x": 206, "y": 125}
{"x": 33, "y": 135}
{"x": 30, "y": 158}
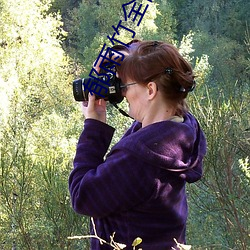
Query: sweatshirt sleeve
{"x": 99, "y": 188}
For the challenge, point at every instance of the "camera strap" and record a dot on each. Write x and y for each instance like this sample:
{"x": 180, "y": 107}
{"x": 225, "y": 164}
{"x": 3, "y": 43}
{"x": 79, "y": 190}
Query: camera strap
{"x": 121, "y": 111}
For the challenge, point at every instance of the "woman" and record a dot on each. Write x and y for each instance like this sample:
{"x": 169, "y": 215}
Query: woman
{"x": 138, "y": 190}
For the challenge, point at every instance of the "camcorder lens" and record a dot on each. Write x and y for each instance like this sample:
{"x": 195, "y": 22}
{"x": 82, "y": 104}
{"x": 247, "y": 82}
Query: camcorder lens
{"x": 81, "y": 91}
{"x": 78, "y": 91}
{"x": 111, "y": 93}
{"x": 107, "y": 86}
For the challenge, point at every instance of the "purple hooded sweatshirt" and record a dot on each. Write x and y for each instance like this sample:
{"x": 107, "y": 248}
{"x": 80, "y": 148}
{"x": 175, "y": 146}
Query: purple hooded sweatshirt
{"x": 138, "y": 190}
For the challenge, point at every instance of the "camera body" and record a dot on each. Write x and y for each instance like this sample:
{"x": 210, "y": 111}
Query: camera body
{"x": 98, "y": 86}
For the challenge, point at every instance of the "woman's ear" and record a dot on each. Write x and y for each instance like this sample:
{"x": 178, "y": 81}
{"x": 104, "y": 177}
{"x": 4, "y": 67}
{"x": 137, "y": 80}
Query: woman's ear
{"x": 152, "y": 90}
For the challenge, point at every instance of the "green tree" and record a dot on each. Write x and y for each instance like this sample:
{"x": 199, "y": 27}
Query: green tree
{"x": 90, "y": 24}
{"x": 35, "y": 211}
{"x": 219, "y": 28}
{"x": 218, "y": 203}
{"x": 40, "y": 122}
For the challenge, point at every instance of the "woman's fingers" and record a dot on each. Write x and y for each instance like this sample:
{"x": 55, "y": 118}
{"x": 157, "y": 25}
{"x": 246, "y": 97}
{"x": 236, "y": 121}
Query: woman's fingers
{"x": 103, "y": 58}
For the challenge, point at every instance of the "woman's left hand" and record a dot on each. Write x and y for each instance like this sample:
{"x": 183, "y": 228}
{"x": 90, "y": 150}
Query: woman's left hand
{"x": 94, "y": 109}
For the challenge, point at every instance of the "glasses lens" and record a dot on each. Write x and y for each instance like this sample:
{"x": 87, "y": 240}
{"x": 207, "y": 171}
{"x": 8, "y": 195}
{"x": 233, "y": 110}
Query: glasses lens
{"x": 124, "y": 87}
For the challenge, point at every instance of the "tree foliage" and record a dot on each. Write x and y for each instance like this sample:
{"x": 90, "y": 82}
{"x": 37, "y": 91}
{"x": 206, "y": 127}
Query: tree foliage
{"x": 45, "y": 44}
{"x": 35, "y": 210}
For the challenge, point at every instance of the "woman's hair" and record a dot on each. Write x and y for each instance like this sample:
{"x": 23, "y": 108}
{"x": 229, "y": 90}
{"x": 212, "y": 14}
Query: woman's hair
{"x": 162, "y": 63}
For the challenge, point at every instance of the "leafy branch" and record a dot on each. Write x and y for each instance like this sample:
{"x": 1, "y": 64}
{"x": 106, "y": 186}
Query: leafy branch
{"x": 112, "y": 243}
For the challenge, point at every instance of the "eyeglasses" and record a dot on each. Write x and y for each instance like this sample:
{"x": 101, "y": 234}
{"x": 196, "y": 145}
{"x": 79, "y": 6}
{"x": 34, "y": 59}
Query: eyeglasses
{"x": 125, "y": 86}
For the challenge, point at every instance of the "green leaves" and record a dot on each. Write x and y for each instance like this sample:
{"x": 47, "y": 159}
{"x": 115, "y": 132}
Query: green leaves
{"x": 137, "y": 241}
{"x": 36, "y": 147}
{"x": 40, "y": 122}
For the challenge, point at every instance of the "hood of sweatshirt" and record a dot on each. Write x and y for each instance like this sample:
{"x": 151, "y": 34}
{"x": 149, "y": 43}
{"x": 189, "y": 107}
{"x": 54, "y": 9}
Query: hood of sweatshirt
{"x": 178, "y": 147}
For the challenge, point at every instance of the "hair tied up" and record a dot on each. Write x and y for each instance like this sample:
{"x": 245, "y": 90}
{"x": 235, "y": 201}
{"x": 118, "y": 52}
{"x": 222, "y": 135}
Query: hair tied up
{"x": 169, "y": 71}
{"x": 156, "y": 43}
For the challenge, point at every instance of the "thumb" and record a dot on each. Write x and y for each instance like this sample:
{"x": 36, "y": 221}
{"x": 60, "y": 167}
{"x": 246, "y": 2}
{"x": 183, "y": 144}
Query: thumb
{"x": 91, "y": 102}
